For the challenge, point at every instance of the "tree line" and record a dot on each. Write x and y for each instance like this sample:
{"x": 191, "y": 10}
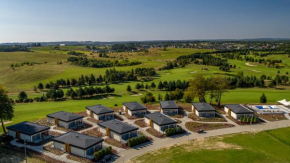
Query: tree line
{"x": 98, "y": 63}
{"x": 13, "y": 48}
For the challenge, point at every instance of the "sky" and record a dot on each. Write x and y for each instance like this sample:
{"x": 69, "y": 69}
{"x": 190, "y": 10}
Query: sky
{"x": 138, "y": 20}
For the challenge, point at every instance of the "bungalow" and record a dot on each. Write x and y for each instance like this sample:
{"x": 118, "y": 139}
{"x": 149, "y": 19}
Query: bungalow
{"x": 160, "y": 122}
{"x": 100, "y": 112}
{"x": 78, "y": 144}
{"x": 134, "y": 109}
{"x": 203, "y": 109}
{"x": 118, "y": 130}
{"x": 29, "y": 132}
{"x": 236, "y": 111}
{"x": 66, "y": 119}
{"x": 169, "y": 107}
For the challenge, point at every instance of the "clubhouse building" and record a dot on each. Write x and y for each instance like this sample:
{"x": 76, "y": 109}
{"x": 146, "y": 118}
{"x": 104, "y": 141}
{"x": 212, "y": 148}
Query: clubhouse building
{"x": 237, "y": 111}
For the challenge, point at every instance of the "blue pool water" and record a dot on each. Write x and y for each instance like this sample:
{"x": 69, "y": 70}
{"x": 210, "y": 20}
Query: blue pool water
{"x": 260, "y": 107}
{"x": 272, "y": 107}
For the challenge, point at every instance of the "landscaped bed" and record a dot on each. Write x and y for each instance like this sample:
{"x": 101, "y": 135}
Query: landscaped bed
{"x": 130, "y": 117}
{"x": 85, "y": 126}
{"x": 155, "y": 133}
{"x": 241, "y": 123}
{"x": 93, "y": 132}
{"x": 148, "y": 137}
{"x": 79, "y": 159}
{"x": 116, "y": 143}
{"x": 53, "y": 133}
{"x": 186, "y": 107}
{"x": 194, "y": 117}
{"x": 141, "y": 123}
{"x": 83, "y": 113}
{"x": 53, "y": 150}
{"x": 193, "y": 126}
{"x": 152, "y": 106}
{"x": 272, "y": 117}
{"x": 118, "y": 117}
{"x": 44, "y": 122}
{"x": 93, "y": 120}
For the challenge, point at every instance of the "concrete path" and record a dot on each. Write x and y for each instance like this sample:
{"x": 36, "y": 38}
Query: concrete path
{"x": 40, "y": 149}
{"x": 134, "y": 152}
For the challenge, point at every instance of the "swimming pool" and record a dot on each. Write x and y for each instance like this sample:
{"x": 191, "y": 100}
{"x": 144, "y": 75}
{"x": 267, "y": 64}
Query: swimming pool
{"x": 266, "y": 107}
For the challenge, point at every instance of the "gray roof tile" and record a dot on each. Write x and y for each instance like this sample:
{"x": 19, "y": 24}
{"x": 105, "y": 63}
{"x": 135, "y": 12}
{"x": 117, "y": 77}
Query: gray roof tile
{"x": 160, "y": 119}
{"x": 100, "y": 109}
{"x": 203, "y": 106}
{"x": 28, "y": 128}
{"x": 65, "y": 116}
{"x": 134, "y": 106}
{"x": 168, "y": 105}
{"x": 118, "y": 126}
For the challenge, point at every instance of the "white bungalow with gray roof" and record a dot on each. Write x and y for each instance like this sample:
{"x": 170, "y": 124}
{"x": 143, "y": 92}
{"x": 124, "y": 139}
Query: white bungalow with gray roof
{"x": 203, "y": 109}
{"x": 169, "y": 107}
{"x": 29, "y": 132}
{"x": 66, "y": 119}
{"x": 237, "y": 111}
{"x": 134, "y": 109}
{"x": 78, "y": 144}
{"x": 160, "y": 122}
{"x": 118, "y": 130}
{"x": 100, "y": 112}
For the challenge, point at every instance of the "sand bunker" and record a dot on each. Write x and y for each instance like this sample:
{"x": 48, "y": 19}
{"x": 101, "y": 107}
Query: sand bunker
{"x": 256, "y": 71}
{"x": 139, "y": 94}
{"x": 192, "y": 72}
{"x": 248, "y": 64}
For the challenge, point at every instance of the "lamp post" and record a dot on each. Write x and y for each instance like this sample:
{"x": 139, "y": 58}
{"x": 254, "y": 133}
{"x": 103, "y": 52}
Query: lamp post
{"x": 123, "y": 158}
{"x": 25, "y": 151}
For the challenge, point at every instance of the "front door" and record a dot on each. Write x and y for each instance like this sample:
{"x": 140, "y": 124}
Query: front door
{"x": 67, "y": 148}
{"x": 17, "y": 135}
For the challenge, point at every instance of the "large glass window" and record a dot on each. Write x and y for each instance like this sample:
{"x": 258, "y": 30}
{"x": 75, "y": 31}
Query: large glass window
{"x": 125, "y": 136}
{"x": 35, "y": 137}
{"x": 90, "y": 151}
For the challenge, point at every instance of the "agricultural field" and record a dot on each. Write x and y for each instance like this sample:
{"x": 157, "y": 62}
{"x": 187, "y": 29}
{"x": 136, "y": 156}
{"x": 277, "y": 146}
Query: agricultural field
{"x": 265, "y": 146}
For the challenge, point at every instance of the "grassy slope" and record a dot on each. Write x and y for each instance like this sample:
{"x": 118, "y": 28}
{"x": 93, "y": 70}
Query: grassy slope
{"x": 267, "y": 146}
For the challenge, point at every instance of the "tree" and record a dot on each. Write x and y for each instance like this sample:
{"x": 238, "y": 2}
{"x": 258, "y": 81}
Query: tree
{"x": 22, "y": 95}
{"x": 199, "y": 87}
{"x": 153, "y": 85}
{"x": 148, "y": 97}
{"x": 40, "y": 86}
{"x": 138, "y": 86}
{"x": 129, "y": 88}
{"x": 160, "y": 97}
{"x": 166, "y": 97}
{"x": 6, "y": 107}
{"x": 160, "y": 85}
{"x": 188, "y": 96}
{"x": 220, "y": 85}
{"x": 263, "y": 98}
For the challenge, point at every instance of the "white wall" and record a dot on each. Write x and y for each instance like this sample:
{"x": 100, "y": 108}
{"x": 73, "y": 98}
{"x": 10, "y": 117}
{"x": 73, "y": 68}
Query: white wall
{"x": 196, "y": 112}
{"x": 115, "y": 136}
{"x": 77, "y": 151}
{"x": 12, "y": 133}
{"x": 147, "y": 121}
{"x": 88, "y": 112}
{"x": 131, "y": 113}
{"x": 51, "y": 120}
{"x": 156, "y": 127}
{"x": 62, "y": 124}
{"x": 59, "y": 146}
{"x": 226, "y": 109}
{"x": 25, "y": 137}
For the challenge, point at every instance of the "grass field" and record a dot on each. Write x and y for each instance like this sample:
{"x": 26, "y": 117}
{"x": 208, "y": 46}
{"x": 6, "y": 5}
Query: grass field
{"x": 267, "y": 146}
{"x": 25, "y": 77}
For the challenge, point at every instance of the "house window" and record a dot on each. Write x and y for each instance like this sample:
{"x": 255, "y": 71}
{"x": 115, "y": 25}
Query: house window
{"x": 90, "y": 151}
{"x": 133, "y": 134}
{"x": 35, "y": 137}
{"x": 125, "y": 136}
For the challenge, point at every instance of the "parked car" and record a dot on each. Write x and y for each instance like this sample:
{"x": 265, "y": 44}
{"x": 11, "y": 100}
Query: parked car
{"x": 200, "y": 131}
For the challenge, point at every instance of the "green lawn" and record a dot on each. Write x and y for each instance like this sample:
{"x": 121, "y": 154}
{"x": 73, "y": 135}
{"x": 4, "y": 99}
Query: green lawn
{"x": 267, "y": 146}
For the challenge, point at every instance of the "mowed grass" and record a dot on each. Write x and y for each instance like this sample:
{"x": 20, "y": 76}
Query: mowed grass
{"x": 266, "y": 146}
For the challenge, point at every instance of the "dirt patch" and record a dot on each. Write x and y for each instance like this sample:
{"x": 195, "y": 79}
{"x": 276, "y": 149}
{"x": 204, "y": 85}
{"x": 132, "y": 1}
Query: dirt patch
{"x": 203, "y": 143}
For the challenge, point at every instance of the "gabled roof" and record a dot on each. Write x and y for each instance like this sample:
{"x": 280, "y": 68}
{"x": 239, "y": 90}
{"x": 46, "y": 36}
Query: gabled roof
{"x": 28, "y": 128}
{"x": 168, "y": 105}
{"x": 65, "y": 116}
{"x": 203, "y": 106}
{"x": 238, "y": 109}
{"x": 78, "y": 140}
{"x": 134, "y": 106}
{"x": 100, "y": 109}
{"x": 160, "y": 119}
{"x": 118, "y": 126}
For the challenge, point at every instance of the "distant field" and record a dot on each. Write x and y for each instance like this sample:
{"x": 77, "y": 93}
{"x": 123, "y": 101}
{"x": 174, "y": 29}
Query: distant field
{"x": 267, "y": 146}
